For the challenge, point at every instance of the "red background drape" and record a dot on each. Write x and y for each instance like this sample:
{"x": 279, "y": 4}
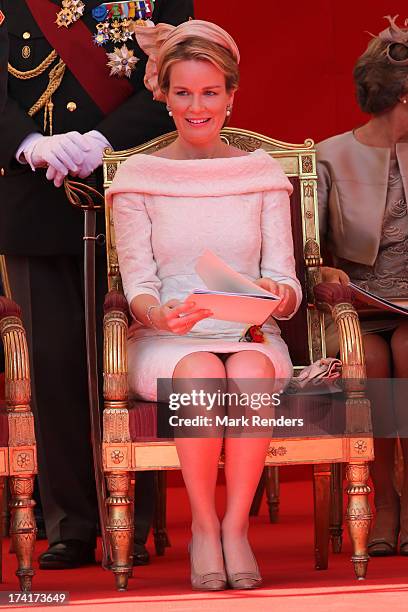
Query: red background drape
{"x": 297, "y": 61}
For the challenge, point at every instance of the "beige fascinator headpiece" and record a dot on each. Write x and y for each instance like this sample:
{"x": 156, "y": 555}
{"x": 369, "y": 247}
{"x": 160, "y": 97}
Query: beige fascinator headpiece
{"x": 395, "y": 35}
{"x": 157, "y": 40}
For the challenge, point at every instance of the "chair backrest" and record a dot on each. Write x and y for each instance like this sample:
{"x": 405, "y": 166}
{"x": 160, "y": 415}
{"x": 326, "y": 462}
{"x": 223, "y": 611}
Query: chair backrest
{"x": 304, "y": 333}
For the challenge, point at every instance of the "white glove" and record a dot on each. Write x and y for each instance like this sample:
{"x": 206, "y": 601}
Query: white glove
{"x": 65, "y": 152}
{"x": 92, "y": 158}
{"x": 72, "y": 152}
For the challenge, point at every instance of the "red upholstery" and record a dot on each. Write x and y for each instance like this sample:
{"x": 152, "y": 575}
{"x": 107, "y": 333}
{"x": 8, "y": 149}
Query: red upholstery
{"x": 114, "y": 300}
{"x": 142, "y": 420}
{"x": 148, "y": 421}
{"x": 333, "y": 293}
{"x": 8, "y": 308}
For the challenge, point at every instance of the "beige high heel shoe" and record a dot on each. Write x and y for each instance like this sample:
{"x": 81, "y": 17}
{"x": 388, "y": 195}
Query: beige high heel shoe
{"x": 211, "y": 581}
{"x": 245, "y": 580}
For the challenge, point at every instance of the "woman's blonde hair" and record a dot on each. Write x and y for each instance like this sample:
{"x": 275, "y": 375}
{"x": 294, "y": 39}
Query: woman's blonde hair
{"x": 197, "y": 48}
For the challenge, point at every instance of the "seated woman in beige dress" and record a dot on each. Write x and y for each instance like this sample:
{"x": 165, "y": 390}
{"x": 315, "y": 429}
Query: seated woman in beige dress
{"x": 199, "y": 193}
{"x": 363, "y": 189}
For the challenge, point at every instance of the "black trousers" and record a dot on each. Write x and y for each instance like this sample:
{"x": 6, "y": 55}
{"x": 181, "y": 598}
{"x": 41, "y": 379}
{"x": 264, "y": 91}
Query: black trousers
{"x": 50, "y": 291}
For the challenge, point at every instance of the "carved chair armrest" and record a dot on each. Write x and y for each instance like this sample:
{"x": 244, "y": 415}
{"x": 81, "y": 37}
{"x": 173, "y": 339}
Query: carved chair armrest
{"x": 17, "y": 383}
{"x": 22, "y": 455}
{"x": 115, "y": 377}
{"x": 115, "y": 331}
{"x": 337, "y": 300}
{"x": 17, "y": 379}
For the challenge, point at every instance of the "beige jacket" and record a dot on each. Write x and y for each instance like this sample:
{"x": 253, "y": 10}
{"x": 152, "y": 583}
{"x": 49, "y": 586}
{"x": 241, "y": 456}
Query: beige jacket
{"x": 352, "y": 191}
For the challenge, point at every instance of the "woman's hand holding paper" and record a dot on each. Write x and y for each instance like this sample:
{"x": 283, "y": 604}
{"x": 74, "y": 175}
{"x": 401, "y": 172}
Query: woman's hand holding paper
{"x": 285, "y": 292}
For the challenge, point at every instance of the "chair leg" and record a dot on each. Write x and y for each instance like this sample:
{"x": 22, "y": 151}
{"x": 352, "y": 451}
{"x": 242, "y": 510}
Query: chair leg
{"x": 132, "y": 488}
{"x": 272, "y": 492}
{"x": 336, "y": 510}
{"x": 161, "y": 538}
{"x": 256, "y": 502}
{"x": 358, "y": 515}
{"x": 120, "y": 526}
{"x": 321, "y": 490}
{"x": 4, "y": 509}
{"x": 23, "y": 529}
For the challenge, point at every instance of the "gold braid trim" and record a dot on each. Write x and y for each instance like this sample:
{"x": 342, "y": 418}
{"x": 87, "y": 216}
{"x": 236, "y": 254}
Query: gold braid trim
{"x": 55, "y": 77}
{"x": 30, "y": 74}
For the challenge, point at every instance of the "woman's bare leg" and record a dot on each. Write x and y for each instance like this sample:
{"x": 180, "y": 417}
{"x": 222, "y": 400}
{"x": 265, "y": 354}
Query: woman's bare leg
{"x": 399, "y": 347}
{"x": 244, "y": 462}
{"x": 378, "y": 363}
{"x": 199, "y": 459}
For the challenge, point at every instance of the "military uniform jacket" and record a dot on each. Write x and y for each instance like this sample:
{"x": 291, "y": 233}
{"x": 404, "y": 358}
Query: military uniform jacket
{"x": 35, "y": 217}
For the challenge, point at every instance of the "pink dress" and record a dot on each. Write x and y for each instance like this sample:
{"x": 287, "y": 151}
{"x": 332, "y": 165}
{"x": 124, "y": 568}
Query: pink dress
{"x": 166, "y": 213}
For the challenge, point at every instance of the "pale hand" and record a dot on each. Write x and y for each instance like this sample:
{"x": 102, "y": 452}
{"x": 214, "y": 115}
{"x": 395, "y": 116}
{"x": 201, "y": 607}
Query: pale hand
{"x": 92, "y": 159}
{"x": 178, "y": 317}
{"x": 285, "y": 292}
{"x": 63, "y": 153}
{"x": 334, "y": 275}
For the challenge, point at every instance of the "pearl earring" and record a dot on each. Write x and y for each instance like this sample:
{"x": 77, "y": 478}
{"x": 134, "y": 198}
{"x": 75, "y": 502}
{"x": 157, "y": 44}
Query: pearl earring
{"x": 229, "y": 109}
{"x": 169, "y": 111}
{"x": 404, "y": 101}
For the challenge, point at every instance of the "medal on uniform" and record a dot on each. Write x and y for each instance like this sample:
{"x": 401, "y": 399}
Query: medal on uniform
{"x": 122, "y": 62}
{"x": 101, "y": 36}
{"x": 71, "y": 11}
{"x": 115, "y": 21}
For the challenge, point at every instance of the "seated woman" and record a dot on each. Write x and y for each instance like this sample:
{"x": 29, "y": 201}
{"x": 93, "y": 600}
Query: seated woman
{"x": 363, "y": 187}
{"x": 199, "y": 193}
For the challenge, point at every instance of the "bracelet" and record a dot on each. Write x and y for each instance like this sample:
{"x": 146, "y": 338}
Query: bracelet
{"x": 148, "y": 311}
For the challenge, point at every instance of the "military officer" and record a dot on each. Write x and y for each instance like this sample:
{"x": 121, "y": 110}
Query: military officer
{"x": 75, "y": 85}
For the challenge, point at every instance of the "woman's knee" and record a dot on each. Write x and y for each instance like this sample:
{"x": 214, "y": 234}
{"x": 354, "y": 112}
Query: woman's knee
{"x": 377, "y": 355}
{"x": 249, "y": 364}
{"x": 202, "y": 376}
{"x": 199, "y": 365}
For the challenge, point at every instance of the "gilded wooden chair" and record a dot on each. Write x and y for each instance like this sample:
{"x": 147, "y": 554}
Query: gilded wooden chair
{"x": 18, "y": 459}
{"x": 130, "y": 438}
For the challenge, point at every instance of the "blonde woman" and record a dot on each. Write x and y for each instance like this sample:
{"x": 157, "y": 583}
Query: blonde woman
{"x": 168, "y": 207}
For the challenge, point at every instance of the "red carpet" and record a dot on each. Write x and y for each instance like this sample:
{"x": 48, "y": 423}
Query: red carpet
{"x": 285, "y": 556}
